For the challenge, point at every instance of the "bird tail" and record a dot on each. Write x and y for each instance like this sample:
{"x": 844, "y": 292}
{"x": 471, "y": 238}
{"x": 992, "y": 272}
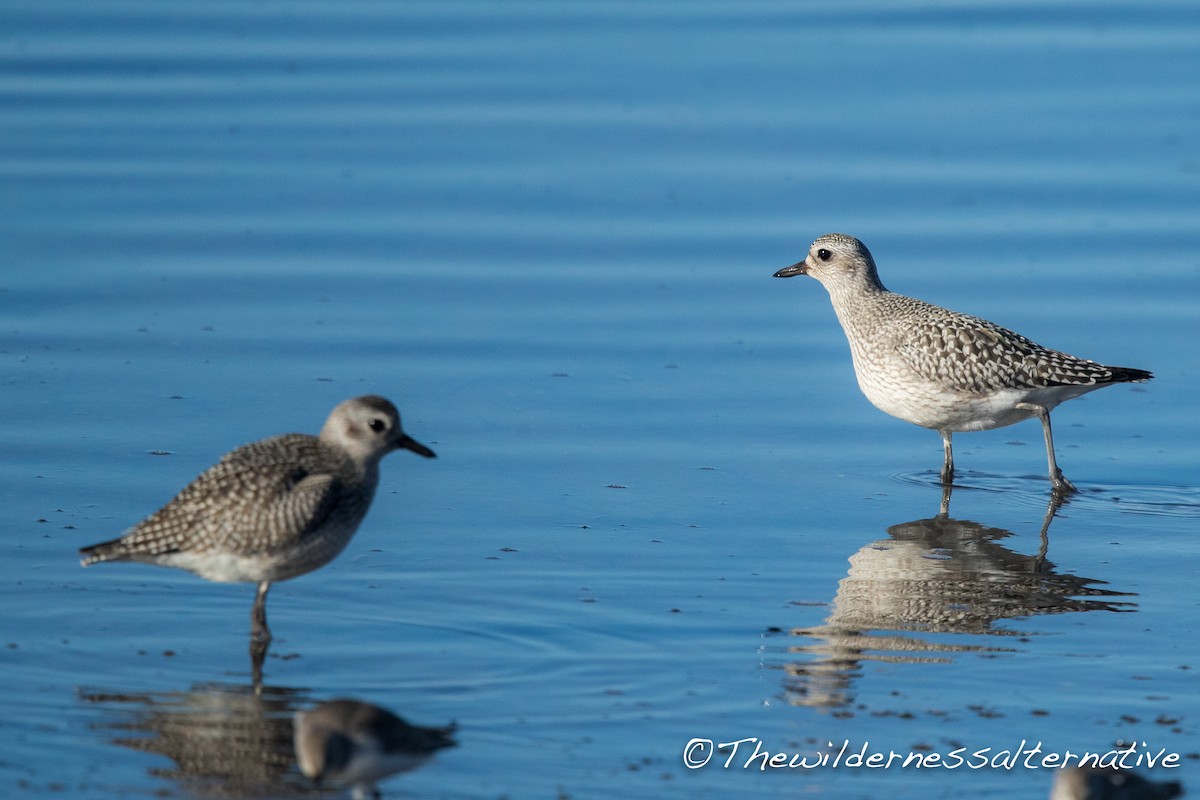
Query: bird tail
{"x": 444, "y": 736}
{"x": 113, "y": 550}
{"x": 1128, "y": 375}
{"x": 419, "y": 739}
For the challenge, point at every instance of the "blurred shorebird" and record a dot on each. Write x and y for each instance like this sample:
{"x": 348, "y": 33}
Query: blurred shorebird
{"x": 356, "y": 744}
{"x": 273, "y": 509}
{"x": 1096, "y": 783}
{"x": 941, "y": 369}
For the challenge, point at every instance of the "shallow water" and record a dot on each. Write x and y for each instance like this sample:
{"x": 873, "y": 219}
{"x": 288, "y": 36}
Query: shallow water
{"x": 661, "y": 509}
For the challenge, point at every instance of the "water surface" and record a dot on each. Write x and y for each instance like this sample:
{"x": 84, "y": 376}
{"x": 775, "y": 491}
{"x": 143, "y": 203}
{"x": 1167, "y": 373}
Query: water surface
{"x": 661, "y": 509}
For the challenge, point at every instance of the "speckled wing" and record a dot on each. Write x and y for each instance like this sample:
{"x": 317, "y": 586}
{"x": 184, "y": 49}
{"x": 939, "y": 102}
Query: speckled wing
{"x": 969, "y": 354}
{"x": 257, "y": 498}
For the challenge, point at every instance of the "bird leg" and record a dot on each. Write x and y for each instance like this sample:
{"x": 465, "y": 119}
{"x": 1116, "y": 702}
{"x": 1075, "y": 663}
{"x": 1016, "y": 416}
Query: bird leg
{"x": 1056, "y": 501}
{"x": 1062, "y": 486}
{"x": 947, "y": 490}
{"x": 258, "y": 654}
{"x": 259, "y": 631}
{"x": 948, "y": 464}
{"x": 260, "y": 635}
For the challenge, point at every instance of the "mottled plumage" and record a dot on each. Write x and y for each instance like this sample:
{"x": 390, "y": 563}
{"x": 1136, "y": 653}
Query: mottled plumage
{"x": 941, "y": 369}
{"x": 351, "y": 743}
{"x": 273, "y": 509}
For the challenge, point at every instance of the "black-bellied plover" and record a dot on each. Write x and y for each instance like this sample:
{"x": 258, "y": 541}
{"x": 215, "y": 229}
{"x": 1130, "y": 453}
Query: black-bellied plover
{"x": 941, "y": 369}
{"x": 273, "y": 509}
{"x": 356, "y": 744}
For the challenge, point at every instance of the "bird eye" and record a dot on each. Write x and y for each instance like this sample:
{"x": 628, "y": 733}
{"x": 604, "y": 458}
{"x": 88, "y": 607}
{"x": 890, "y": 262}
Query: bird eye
{"x": 377, "y": 425}
{"x": 824, "y": 254}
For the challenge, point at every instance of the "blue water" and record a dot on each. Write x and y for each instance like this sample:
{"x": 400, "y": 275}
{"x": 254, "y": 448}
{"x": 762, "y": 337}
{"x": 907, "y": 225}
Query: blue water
{"x": 661, "y": 508}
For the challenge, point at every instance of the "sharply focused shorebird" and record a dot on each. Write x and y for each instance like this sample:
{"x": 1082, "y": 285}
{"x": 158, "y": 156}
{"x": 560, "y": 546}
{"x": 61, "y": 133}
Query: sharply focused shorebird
{"x": 356, "y": 744}
{"x": 941, "y": 369}
{"x": 273, "y": 509}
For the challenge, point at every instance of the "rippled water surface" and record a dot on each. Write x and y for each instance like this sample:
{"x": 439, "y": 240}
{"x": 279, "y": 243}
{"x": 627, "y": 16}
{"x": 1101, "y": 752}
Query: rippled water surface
{"x": 661, "y": 509}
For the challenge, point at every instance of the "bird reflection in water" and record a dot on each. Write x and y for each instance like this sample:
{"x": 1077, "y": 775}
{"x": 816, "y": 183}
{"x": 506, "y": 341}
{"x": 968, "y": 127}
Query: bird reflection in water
{"x": 225, "y": 740}
{"x": 349, "y": 743}
{"x": 931, "y": 576}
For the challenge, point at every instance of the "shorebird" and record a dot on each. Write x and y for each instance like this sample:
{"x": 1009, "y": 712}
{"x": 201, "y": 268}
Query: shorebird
{"x": 941, "y": 369}
{"x": 273, "y": 509}
{"x": 351, "y": 743}
{"x": 1098, "y": 783}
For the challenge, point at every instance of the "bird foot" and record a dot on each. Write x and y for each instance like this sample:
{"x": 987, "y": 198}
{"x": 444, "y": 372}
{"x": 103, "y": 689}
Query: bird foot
{"x": 1062, "y": 486}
